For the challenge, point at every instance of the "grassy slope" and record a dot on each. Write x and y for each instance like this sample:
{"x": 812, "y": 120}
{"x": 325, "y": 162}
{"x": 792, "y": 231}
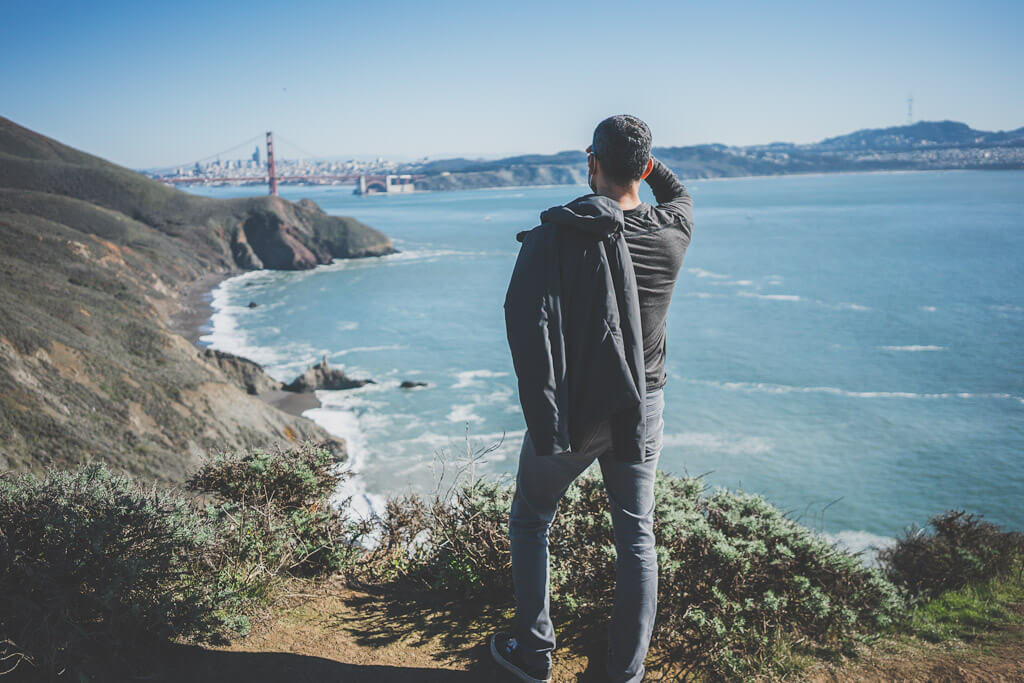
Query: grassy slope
{"x": 94, "y": 258}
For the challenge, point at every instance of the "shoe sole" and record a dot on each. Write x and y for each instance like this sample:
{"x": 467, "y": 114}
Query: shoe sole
{"x": 515, "y": 671}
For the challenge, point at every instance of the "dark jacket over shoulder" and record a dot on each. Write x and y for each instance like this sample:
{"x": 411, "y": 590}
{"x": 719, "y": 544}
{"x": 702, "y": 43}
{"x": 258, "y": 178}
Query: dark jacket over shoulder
{"x": 572, "y": 316}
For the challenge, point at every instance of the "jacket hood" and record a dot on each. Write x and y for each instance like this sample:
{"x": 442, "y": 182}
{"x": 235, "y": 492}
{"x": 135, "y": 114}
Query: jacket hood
{"x": 594, "y": 214}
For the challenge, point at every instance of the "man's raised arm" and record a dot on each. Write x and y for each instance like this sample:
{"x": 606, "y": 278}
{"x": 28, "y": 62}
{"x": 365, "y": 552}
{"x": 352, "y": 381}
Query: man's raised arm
{"x": 671, "y": 195}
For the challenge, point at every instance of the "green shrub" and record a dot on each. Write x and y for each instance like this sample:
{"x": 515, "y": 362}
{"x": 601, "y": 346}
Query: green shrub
{"x": 92, "y": 567}
{"x": 963, "y": 549}
{"x": 456, "y": 540}
{"x": 276, "y": 514}
{"x": 738, "y": 580}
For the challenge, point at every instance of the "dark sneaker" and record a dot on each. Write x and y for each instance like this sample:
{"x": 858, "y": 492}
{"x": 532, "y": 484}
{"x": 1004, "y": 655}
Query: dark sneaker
{"x": 507, "y": 654}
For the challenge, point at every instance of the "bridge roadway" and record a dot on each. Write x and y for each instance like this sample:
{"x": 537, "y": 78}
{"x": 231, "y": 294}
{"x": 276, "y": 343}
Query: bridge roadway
{"x": 372, "y": 180}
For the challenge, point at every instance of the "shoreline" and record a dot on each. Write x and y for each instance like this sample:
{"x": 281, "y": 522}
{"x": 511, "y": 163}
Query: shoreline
{"x": 192, "y": 321}
{"x": 195, "y": 301}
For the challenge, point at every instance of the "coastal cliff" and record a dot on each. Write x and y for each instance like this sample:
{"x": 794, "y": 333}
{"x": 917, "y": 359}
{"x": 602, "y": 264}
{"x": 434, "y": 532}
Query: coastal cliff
{"x": 95, "y": 261}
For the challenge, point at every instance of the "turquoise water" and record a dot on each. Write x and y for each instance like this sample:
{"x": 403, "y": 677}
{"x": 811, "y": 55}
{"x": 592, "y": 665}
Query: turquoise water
{"x": 848, "y": 346}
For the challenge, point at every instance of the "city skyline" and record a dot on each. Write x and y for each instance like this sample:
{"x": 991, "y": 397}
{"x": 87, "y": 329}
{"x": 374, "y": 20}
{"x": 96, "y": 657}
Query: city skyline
{"x": 158, "y": 86}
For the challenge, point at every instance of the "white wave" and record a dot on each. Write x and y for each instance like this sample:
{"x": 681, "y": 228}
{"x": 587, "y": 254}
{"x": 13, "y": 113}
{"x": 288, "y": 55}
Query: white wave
{"x": 346, "y": 325}
{"x": 858, "y": 541}
{"x": 764, "y": 387}
{"x": 1008, "y": 308}
{"x": 700, "y": 272}
{"x": 719, "y": 443}
{"x": 499, "y": 395}
{"x": 471, "y": 378}
{"x": 429, "y": 254}
{"x": 845, "y": 305}
{"x": 345, "y": 423}
{"x": 704, "y": 295}
{"x": 929, "y": 309}
{"x": 464, "y": 413}
{"x": 913, "y": 347}
{"x": 359, "y": 349}
{"x": 226, "y": 334}
{"x": 771, "y": 297}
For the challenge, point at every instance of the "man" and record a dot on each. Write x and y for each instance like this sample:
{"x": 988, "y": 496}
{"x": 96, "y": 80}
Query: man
{"x": 576, "y": 346}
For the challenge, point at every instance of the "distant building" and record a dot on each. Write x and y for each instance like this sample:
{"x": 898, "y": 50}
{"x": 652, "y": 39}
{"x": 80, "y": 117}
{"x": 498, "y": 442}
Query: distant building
{"x": 256, "y": 155}
{"x": 385, "y": 184}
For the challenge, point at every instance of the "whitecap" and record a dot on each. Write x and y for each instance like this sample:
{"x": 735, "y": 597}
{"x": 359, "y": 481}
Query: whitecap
{"x": 364, "y": 349}
{"x": 471, "y": 378}
{"x": 764, "y": 387}
{"x": 771, "y": 297}
{"x": 700, "y": 272}
{"x": 464, "y": 413}
{"x": 719, "y": 443}
{"x": 913, "y": 347}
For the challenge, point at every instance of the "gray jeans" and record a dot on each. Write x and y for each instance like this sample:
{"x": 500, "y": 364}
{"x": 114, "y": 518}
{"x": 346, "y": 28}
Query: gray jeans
{"x": 540, "y": 484}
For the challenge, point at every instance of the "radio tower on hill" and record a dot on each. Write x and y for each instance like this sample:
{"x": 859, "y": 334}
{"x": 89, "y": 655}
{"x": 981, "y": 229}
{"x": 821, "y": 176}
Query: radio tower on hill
{"x": 910, "y": 110}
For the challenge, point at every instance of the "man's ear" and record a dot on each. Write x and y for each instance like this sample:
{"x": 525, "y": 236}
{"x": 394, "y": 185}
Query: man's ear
{"x": 650, "y": 167}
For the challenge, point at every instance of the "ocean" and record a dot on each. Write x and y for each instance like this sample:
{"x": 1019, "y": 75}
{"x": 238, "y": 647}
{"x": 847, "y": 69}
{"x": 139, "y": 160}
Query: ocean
{"x": 847, "y": 346}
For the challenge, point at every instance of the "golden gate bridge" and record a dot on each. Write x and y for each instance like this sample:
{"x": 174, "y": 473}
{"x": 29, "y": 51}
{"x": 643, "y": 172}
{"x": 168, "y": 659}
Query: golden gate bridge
{"x": 365, "y": 182}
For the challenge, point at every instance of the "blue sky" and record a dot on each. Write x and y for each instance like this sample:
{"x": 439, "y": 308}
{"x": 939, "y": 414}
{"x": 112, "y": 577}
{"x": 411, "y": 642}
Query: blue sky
{"x": 160, "y": 83}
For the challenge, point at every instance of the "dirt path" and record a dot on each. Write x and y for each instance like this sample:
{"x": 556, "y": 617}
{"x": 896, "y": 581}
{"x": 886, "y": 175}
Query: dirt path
{"x": 354, "y": 636}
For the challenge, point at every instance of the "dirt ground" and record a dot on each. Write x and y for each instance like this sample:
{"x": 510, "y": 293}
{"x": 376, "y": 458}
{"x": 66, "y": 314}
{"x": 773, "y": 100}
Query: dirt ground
{"x": 347, "y": 635}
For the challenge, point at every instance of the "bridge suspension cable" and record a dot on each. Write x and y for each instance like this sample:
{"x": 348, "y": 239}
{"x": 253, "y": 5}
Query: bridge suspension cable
{"x": 307, "y": 154}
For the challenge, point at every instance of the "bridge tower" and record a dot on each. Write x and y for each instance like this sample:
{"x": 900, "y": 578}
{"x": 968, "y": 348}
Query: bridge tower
{"x": 271, "y": 166}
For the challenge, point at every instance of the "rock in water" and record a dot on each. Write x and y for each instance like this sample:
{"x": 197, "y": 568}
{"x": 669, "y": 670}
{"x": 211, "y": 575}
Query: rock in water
{"x": 410, "y": 384}
{"x": 323, "y": 376}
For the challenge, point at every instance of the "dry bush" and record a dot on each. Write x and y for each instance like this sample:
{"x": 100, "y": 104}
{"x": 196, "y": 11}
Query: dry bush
{"x": 963, "y": 549}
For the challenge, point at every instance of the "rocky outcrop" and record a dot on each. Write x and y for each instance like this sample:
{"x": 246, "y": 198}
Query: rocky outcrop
{"x": 323, "y": 376}
{"x": 411, "y": 384}
{"x": 222, "y": 234}
{"x": 245, "y": 373}
{"x": 94, "y": 261}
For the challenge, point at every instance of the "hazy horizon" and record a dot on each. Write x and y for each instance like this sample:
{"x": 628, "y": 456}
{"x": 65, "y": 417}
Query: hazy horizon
{"x": 158, "y": 85}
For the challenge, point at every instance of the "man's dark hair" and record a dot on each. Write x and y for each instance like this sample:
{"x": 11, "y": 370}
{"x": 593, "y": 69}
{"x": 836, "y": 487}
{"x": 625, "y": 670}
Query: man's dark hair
{"x": 622, "y": 144}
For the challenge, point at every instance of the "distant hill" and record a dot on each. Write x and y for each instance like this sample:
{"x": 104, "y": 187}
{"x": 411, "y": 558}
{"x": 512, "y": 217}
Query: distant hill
{"x": 927, "y": 145}
{"x": 94, "y": 260}
{"x": 918, "y": 135}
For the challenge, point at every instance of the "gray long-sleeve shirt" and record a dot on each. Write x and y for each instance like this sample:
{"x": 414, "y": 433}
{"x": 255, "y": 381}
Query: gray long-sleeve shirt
{"x": 657, "y": 238}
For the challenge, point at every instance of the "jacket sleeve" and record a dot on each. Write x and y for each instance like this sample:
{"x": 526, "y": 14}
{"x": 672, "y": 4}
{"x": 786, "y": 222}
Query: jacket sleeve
{"x": 534, "y": 330}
